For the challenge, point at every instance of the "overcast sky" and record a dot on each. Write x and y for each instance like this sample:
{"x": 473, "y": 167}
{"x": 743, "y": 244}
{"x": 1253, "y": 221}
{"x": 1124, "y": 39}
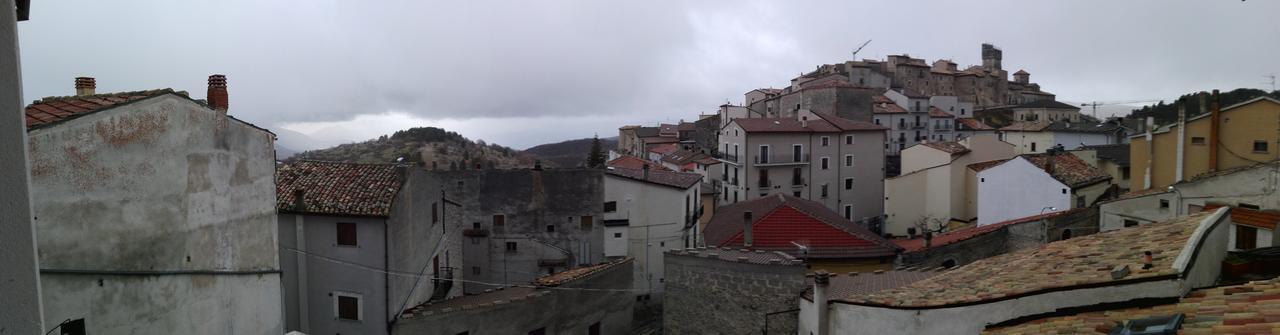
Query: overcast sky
{"x": 521, "y": 73}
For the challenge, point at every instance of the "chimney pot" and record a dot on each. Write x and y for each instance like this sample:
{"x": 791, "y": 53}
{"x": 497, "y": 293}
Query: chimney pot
{"x": 86, "y": 86}
{"x": 300, "y": 200}
{"x": 217, "y": 95}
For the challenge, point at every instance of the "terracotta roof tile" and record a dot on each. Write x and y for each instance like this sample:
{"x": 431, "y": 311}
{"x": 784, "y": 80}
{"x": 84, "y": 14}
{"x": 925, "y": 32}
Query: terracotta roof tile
{"x": 783, "y": 125}
{"x": 973, "y": 124}
{"x": 779, "y": 220}
{"x": 936, "y": 112}
{"x": 338, "y": 188}
{"x": 632, "y": 162}
{"x": 851, "y": 284}
{"x": 753, "y": 256}
{"x": 1069, "y": 169}
{"x": 663, "y": 149}
{"x": 1084, "y": 260}
{"x": 847, "y": 124}
{"x": 1250, "y": 308}
{"x": 979, "y": 166}
{"x": 955, "y": 236}
{"x": 566, "y": 276}
{"x": 888, "y": 108}
{"x": 1026, "y": 126}
{"x": 52, "y": 110}
{"x": 953, "y": 148}
{"x": 681, "y": 180}
{"x": 502, "y": 295}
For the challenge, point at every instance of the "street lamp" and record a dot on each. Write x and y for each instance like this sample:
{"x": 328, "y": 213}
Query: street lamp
{"x": 1178, "y": 209}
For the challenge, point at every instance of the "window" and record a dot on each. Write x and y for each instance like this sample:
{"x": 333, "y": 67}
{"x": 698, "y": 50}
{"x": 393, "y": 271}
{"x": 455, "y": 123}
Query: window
{"x": 1033, "y": 146}
{"x": 848, "y": 211}
{"x": 475, "y": 225}
{"x": 848, "y": 160}
{"x": 347, "y": 306}
{"x": 797, "y": 177}
{"x": 512, "y": 247}
{"x": 594, "y": 329}
{"x": 617, "y": 235}
{"x": 662, "y": 244}
{"x": 587, "y": 221}
{"x": 848, "y": 139}
{"x": 1130, "y": 223}
{"x": 1197, "y": 140}
{"x": 764, "y": 155}
{"x": 848, "y": 183}
{"x": 824, "y": 162}
{"x": 824, "y": 190}
{"x": 797, "y": 153}
{"x": 827, "y": 140}
{"x": 1246, "y": 237}
{"x": 1064, "y": 191}
{"x": 475, "y": 270}
{"x": 1259, "y": 146}
{"x": 435, "y": 214}
{"x": 1164, "y": 204}
{"x": 1124, "y": 173}
{"x": 499, "y": 220}
{"x": 346, "y": 234}
{"x": 1080, "y": 202}
{"x": 539, "y": 331}
{"x": 551, "y": 228}
{"x": 610, "y": 206}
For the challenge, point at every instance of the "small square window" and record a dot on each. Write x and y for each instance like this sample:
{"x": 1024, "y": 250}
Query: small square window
{"x": 512, "y": 247}
{"x": 475, "y": 270}
{"x": 827, "y": 140}
{"x": 475, "y": 225}
{"x": 610, "y": 206}
{"x": 1259, "y": 146}
{"x": 551, "y": 228}
{"x": 347, "y": 306}
{"x": 617, "y": 235}
{"x": 587, "y": 221}
{"x": 1196, "y": 140}
{"x": 499, "y": 220}
{"x": 848, "y": 139}
{"x": 1130, "y": 223}
{"x": 1164, "y": 204}
{"x": 1064, "y": 191}
{"x": 346, "y": 234}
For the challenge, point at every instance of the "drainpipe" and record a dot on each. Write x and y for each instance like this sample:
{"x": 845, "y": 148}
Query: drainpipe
{"x": 1151, "y": 151}
{"x": 1182, "y": 138}
{"x": 821, "y": 280}
{"x": 1215, "y": 118}
{"x": 300, "y": 236}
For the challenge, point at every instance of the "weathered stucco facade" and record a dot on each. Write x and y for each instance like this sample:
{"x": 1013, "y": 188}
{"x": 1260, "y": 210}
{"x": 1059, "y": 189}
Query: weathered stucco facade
{"x": 713, "y": 291}
{"x": 157, "y": 215}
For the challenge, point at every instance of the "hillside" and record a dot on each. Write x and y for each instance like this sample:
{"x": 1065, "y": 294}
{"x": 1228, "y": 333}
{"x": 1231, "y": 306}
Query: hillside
{"x": 426, "y": 145}
{"x": 1166, "y": 113}
{"x": 571, "y": 153}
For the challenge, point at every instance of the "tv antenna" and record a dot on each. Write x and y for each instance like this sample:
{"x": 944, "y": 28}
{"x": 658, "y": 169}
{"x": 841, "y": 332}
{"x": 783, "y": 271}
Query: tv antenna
{"x": 1272, "y": 81}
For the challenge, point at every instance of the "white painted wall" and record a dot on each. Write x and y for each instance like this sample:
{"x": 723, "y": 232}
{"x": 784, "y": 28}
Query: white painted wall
{"x": 1018, "y": 189}
{"x": 615, "y": 241}
{"x": 1072, "y": 141}
{"x": 21, "y": 311}
{"x": 657, "y": 217}
{"x": 1262, "y": 240}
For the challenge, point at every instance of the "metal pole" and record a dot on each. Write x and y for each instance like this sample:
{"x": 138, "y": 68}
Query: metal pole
{"x": 22, "y": 312}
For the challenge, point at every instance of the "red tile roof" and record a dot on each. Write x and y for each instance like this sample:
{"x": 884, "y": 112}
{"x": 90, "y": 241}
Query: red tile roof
{"x": 917, "y": 244}
{"x": 887, "y": 108}
{"x": 847, "y": 124}
{"x": 881, "y": 99}
{"x": 974, "y": 124}
{"x": 338, "y": 188}
{"x": 953, "y": 148}
{"x": 779, "y": 220}
{"x": 783, "y": 125}
{"x": 566, "y": 276}
{"x": 855, "y": 283}
{"x": 939, "y": 113}
{"x": 682, "y": 180}
{"x": 1069, "y": 169}
{"x": 663, "y": 149}
{"x": 979, "y": 166}
{"x": 632, "y": 162}
{"x": 1250, "y": 217}
{"x": 1026, "y": 126}
{"x": 52, "y": 110}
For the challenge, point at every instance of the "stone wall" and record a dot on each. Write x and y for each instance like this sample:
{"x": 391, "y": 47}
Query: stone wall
{"x": 1014, "y": 237}
{"x": 713, "y": 296}
{"x": 600, "y": 300}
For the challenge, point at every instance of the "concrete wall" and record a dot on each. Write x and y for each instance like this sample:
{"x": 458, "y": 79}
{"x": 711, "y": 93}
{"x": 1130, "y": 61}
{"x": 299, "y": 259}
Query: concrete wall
{"x": 1072, "y": 141}
{"x": 559, "y": 310}
{"x": 915, "y": 197}
{"x": 920, "y": 157}
{"x": 711, "y": 296}
{"x": 1029, "y": 142}
{"x": 413, "y": 241}
{"x": 1254, "y": 186}
{"x": 1004, "y": 192}
{"x": 21, "y": 312}
{"x": 530, "y": 201}
{"x": 329, "y": 269}
{"x": 164, "y": 186}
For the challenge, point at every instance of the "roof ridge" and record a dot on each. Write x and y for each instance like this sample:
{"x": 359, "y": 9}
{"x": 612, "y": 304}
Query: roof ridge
{"x": 157, "y": 91}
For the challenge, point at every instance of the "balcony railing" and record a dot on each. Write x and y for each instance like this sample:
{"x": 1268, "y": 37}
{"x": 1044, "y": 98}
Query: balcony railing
{"x": 945, "y": 126}
{"x": 902, "y": 126}
{"x": 797, "y": 182}
{"x": 782, "y": 159}
{"x": 918, "y": 125}
{"x": 763, "y": 183}
{"x": 726, "y": 157}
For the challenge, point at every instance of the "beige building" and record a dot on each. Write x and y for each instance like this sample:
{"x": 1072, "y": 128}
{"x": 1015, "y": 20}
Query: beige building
{"x": 1245, "y": 134}
{"x": 934, "y": 188}
{"x": 1033, "y": 137}
{"x": 1046, "y": 110}
{"x": 1110, "y": 158}
{"x": 820, "y": 157}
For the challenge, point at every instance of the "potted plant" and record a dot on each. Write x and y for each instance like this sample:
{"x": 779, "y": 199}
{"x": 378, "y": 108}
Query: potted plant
{"x": 1234, "y": 266}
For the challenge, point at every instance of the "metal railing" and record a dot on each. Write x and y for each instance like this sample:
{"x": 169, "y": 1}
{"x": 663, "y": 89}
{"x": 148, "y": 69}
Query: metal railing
{"x": 782, "y": 159}
{"x": 918, "y": 125}
{"x": 726, "y": 156}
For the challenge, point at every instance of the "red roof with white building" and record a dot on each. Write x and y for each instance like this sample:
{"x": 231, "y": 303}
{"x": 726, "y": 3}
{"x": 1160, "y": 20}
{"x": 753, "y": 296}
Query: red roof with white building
{"x": 781, "y": 222}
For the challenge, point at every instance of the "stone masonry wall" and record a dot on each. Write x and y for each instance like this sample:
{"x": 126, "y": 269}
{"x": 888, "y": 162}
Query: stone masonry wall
{"x": 712, "y": 296}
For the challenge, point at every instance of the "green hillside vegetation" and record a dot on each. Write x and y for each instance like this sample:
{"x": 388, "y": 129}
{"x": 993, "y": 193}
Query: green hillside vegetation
{"x": 1166, "y": 113}
{"x": 425, "y": 145}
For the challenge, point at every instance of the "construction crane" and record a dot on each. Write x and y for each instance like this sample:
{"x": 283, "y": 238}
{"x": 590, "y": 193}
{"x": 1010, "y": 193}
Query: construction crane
{"x": 1095, "y": 104}
{"x": 855, "y": 51}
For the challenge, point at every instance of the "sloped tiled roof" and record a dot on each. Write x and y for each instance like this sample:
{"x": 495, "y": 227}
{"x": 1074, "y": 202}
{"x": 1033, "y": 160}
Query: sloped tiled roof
{"x": 338, "y": 188}
{"x": 632, "y": 162}
{"x": 953, "y": 148}
{"x": 682, "y": 157}
{"x": 936, "y": 112}
{"x": 664, "y": 149}
{"x": 1085, "y": 260}
{"x": 52, "y": 110}
{"x": 847, "y": 124}
{"x": 783, "y": 125}
{"x": 979, "y": 166}
{"x": 1081, "y": 127}
{"x": 1047, "y": 104}
{"x": 887, "y": 108}
{"x": 682, "y": 180}
{"x": 856, "y": 283}
{"x": 1250, "y": 308}
{"x": 973, "y": 124}
{"x": 790, "y": 217}
{"x": 917, "y": 244}
{"x": 1069, "y": 169}
{"x": 752, "y": 256}
{"x": 1026, "y": 126}
{"x": 1250, "y": 217}
{"x": 497, "y": 297}
{"x": 562, "y": 277}
{"x": 647, "y": 131}
{"x": 685, "y": 126}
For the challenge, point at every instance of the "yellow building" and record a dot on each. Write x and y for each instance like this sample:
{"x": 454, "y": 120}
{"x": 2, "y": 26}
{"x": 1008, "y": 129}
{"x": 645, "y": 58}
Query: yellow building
{"x": 1247, "y": 134}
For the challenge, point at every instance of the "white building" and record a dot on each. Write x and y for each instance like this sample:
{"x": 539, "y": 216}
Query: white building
{"x": 1033, "y": 184}
{"x": 936, "y": 186}
{"x": 646, "y": 213}
{"x": 1032, "y": 137}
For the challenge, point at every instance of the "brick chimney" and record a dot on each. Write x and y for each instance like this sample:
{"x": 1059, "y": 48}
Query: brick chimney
{"x": 300, "y": 200}
{"x": 746, "y": 229}
{"x": 1215, "y": 116}
{"x": 85, "y": 86}
{"x": 218, "y": 92}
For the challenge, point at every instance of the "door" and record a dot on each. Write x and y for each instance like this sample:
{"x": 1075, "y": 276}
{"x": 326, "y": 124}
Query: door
{"x": 1246, "y": 237}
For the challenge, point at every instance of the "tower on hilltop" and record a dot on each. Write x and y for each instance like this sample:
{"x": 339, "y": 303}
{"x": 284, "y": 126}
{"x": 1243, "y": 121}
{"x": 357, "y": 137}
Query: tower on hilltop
{"x": 991, "y": 57}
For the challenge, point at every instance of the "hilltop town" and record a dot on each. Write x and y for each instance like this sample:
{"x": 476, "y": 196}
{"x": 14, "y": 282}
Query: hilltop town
{"x": 871, "y": 196}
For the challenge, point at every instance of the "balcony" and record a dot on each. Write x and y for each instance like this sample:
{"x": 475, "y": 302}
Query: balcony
{"x": 946, "y": 126}
{"x": 764, "y": 184}
{"x": 726, "y": 157}
{"x": 919, "y": 125}
{"x": 797, "y": 182}
{"x": 781, "y": 160}
{"x": 902, "y": 126}
{"x": 475, "y": 232}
